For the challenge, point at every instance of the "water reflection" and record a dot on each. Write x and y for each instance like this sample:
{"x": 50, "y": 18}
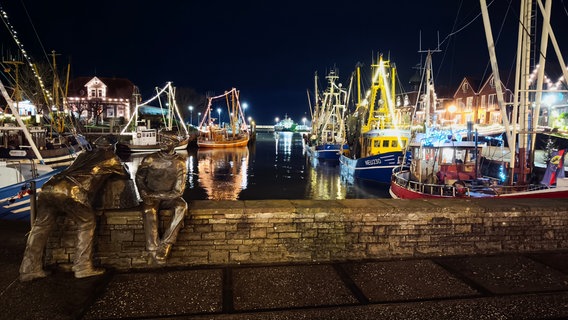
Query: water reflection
{"x": 223, "y": 173}
{"x": 284, "y": 144}
{"x": 274, "y": 167}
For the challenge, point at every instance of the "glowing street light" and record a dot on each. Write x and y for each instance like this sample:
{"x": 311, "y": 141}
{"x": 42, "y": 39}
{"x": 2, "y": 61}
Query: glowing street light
{"x": 304, "y": 121}
{"x": 245, "y": 106}
{"x": 276, "y": 119}
{"x": 219, "y": 113}
{"x": 190, "y": 114}
{"x": 199, "y": 116}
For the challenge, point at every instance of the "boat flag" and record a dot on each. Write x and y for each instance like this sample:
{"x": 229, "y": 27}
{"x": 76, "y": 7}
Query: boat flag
{"x": 555, "y": 168}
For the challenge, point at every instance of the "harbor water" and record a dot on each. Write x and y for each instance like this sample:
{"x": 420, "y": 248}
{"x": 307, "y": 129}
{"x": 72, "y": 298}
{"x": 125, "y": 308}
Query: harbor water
{"x": 275, "y": 166}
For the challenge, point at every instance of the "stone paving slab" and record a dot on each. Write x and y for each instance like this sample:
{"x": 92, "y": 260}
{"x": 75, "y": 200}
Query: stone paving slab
{"x": 496, "y": 308}
{"x": 406, "y": 280}
{"x": 276, "y": 287}
{"x": 132, "y": 295}
{"x": 508, "y": 274}
{"x": 58, "y": 296}
{"x": 558, "y": 261}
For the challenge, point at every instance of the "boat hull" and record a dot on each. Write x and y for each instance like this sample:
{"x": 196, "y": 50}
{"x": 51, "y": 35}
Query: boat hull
{"x": 133, "y": 148}
{"x": 402, "y": 188}
{"x": 377, "y": 168}
{"x": 223, "y": 144}
{"x": 15, "y": 198}
{"x": 327, "y": 152}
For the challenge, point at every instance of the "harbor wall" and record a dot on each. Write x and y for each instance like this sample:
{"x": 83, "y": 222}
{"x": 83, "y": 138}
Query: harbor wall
{"x": 308, "y": 231}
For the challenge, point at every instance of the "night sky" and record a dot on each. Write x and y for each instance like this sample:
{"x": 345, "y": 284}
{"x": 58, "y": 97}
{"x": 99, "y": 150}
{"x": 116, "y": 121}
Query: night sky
{"x": 269, "y": 50}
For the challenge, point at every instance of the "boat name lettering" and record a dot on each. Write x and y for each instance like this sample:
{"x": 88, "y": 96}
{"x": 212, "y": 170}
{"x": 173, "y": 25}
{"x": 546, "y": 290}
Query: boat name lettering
{"x": 372, "y": 162}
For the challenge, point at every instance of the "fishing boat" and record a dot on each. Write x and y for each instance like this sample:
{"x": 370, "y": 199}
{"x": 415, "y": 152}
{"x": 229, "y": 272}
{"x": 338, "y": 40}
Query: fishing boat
{"x": 142, "y": 137}
{"x": 443, "y": 166}
{"x": 327, "y": 140}
{"x": 19, "y": 179}
{"x": 380, "y": 138}
{"x": 286, "y": 124}
{"x": 213, "y": 134}
{"x": 54, "y": 135}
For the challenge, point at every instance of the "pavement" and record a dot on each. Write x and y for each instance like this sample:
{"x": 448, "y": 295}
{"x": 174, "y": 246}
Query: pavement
{"x": 505, "y": 286}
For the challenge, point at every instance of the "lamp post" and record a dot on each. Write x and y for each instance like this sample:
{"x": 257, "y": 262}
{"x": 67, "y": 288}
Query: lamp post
{"x": 219, "y": 113}
{"x": 198, "y": 117}
{"x": 304, "y": 121}
{"x": 190, "y": 115}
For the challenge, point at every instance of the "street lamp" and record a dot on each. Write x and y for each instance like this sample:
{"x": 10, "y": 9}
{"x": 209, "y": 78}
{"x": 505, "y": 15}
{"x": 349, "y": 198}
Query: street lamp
{"x": 199, "y": 116}
{"x": 190, "y": 115}
{"x": 304, "y": 121}
{"x": 219, "y": 113}
{"x": 276, "y": 119}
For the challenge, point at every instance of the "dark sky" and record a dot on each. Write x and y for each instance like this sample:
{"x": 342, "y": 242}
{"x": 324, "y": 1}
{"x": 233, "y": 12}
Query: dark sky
{"x": 269, "y": 50}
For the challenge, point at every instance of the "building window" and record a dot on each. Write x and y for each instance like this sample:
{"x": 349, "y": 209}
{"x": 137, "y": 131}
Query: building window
{"x": 492, "y": 103}
{"x": 469, "y": 103}
{"x": 465, "y": 87}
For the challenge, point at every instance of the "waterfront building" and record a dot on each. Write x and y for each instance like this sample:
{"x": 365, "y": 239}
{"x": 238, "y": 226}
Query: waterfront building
{"x": 98, "y": 100}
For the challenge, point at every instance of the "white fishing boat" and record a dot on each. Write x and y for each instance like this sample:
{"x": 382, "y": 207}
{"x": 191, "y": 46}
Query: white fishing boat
{"x": 141, "y": 137}
{"x": 19, "y": 179}
{"x": 444, "y": 166}
{"x": 286, "y": 124}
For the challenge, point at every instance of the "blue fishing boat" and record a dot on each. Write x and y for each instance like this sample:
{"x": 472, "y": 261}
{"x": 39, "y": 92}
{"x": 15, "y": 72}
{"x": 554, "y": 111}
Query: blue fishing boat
{"x": 327, "y": 141}
{"x": 17, "y": 181}
{"x": 381, "y": 140}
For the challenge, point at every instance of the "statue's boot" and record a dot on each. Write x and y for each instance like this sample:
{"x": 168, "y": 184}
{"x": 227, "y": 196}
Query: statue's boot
{"x": 163, "y": 252}
{"x": 83, "y": 265}
{"x": 32, "y": 262}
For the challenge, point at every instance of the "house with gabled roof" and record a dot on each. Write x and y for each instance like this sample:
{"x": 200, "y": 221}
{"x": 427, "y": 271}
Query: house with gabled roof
{"x": 488, "y": 111}
{"x": 465, "y": 100}
{"x": 476, "y": 102}
{"x": 101, "y": 99}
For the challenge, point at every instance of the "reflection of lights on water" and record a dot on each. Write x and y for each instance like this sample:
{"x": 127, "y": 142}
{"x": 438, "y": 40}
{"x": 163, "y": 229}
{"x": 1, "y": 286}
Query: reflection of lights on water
{"x": 321, "y": 187}
{"x": 190, "y": 172}
{"x": 223, "y": 172}
{"x": 284, "y": 144}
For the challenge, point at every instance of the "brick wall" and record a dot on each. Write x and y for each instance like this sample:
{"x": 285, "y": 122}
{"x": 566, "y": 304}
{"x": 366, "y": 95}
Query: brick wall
{"x": 268, "y": 231}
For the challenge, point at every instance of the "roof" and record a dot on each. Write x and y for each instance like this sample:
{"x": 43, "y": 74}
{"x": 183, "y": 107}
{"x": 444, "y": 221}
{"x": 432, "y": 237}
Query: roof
{"x": 116, "y": 87}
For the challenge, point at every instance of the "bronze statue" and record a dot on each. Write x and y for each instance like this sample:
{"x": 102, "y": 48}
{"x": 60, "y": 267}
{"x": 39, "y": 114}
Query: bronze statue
{"x": 161, "y": 179}
{"x": 72, "y": 192}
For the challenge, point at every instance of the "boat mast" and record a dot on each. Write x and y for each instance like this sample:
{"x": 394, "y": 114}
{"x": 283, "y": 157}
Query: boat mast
{"x": 497, "y": 80}
{"x": 22, "y": 126}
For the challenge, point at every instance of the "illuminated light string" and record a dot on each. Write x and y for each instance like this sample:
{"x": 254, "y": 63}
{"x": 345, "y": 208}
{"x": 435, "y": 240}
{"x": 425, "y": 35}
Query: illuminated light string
{"x": 437, "y": 136}
{"x": 552, "y": 86}
{"x": 167, "y": 86}
{"x": 20, "y": 45}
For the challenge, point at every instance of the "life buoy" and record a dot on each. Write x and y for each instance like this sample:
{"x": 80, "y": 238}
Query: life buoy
{"x": 460, "y": 188}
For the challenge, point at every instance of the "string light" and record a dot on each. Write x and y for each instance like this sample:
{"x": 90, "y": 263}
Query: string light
{"x": 20, "y": 45}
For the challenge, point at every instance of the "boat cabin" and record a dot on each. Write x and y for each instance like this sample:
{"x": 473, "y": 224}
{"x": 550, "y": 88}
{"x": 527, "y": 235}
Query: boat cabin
{"x": 144, "y": 136}
{"x": 445, "y": 162}
{"x": 381, "y": 141}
